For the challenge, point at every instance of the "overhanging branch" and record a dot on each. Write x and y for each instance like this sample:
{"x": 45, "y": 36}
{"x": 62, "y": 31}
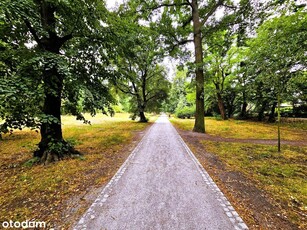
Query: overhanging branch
{"x": 66, "y": 38}
{"x": 32, "y": 31}
{"x": 180, "y": 43}
{"x": 187, "y": 22}
{"x": 169, "y": 5}
{"x": 126, "y": 91}
{"x": 211, "y": 11}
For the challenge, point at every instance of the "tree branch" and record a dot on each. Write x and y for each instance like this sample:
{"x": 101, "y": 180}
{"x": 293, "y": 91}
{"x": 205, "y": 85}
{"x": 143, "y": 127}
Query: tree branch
{"x": 135, "y": 89}
{"x": 33, "y": 32}
{"x": 69, "y": 36}
{"x": 230, "y": 7}
{"x": 149, "y": 92}
{"x": 153, "y": 96}
{"x": 187, "y": 22}
{"x": 65, "y": 38}
{"x": 180, "y": 43}
{"x": 154, "y": 74}
{"x": 169, "y": 5}
{"x": 127, "y": 91}
{"x": 189, "y": 2}
{"x": 211, "y": 11}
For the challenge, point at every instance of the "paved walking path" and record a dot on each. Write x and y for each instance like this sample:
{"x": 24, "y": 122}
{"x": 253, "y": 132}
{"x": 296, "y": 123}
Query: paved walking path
{"x": 161, "y": 186}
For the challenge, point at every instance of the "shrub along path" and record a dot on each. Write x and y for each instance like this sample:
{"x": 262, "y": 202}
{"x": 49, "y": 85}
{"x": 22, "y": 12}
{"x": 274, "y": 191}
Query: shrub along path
{"x": 161, "y": 186}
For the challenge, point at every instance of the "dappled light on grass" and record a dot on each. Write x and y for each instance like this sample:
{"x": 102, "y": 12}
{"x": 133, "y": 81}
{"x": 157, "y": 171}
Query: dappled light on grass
{"x": 43, "y": 192}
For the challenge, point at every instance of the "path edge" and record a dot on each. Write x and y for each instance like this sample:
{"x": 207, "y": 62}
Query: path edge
{"x": 104, "y": 194}
{"x": 229, "y": 210}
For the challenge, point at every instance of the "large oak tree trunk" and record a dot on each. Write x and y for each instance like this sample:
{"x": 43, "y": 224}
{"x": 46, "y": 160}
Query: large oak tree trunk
{"x": 52, "y": 146}
{"x": 142, "y": 113}
{"x": 142, "y": 117}
{"x": 51, "y": 131}
{"x": 199, "y": 125}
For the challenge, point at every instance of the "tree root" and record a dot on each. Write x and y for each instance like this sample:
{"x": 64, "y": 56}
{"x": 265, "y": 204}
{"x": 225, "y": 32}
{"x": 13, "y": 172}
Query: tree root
{"x": 56, "y": 151}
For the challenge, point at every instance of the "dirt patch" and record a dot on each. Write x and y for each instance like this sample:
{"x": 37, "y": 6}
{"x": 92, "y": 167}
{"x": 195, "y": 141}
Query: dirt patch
{"x": 257, "y": 208}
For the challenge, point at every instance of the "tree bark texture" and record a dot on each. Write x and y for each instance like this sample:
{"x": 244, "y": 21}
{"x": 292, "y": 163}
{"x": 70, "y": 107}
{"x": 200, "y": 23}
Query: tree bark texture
{"x": 141, "y": 108}
{"x": 142, "y": 117}
{"x": 199, "y": 125}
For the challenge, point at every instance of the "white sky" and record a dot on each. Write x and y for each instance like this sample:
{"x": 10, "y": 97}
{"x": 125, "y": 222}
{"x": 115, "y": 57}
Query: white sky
{"x": 112, "y": 3}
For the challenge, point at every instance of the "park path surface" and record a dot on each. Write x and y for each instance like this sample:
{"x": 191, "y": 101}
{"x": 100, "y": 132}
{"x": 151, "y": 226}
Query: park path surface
{"x": 161, "y": 186}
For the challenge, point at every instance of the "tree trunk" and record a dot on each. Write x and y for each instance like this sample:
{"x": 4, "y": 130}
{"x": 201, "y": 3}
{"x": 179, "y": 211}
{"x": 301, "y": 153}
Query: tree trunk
{"x": 142, "y": 107}
{"x": 51, "y": 130}
{"x": 278, "y": 116}
{"x": 261, "y": 111}
{"x": 220, "y": 102}
{"x": 199, "y": 125}
{"x": 52, "y": 146}
{"x": 142, "y": 117}
{"x": 221, "y": 106}
{"x": 230, "y": 107}
{"x": 272, "y": 114}
{"x": 243, "y": 114}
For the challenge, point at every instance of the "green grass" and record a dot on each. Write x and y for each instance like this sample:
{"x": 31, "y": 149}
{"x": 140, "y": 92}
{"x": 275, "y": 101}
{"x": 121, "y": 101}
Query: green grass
{"x": 31, "y": 191}
{"x": 283, "y": 175}
{"x": 246, "y": 129}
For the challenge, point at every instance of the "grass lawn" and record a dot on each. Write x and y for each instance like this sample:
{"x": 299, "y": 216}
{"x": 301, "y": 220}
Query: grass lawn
{"x": 282, "y": 175}
{"x": 43, "y": 192}
{"x": 246, "y": 129}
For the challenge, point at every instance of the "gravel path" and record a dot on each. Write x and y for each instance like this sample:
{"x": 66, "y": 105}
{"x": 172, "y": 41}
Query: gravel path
{"x": 161, "y": 186}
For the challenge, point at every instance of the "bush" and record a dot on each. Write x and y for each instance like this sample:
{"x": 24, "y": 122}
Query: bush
{"x": 217, "y": 116}
{"x": 185, "y": 112}
{"x": 117, "y": 108}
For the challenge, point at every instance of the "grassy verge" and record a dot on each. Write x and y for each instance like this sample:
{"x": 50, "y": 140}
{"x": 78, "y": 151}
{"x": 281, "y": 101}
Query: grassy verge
{"x": 282, "y": 175}
{"x": 246, "y": 129}
{"x": 36, "y": 192}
